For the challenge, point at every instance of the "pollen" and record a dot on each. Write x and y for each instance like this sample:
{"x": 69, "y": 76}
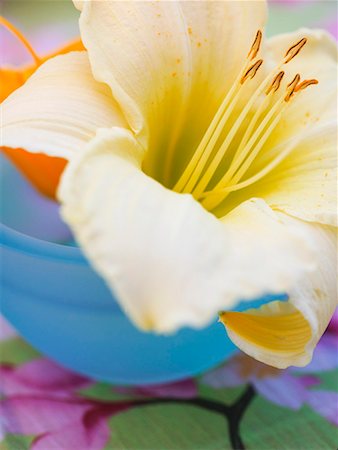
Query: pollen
{"x": 256, "y": 45}
{"x": 304, "y": 84}
{"x": 251, "y": 72}
{"x": 229, "y": 147}
{"x": 294, "y": 50}
{"x": 291, "y": 87}
{"x": 274, "y": 86}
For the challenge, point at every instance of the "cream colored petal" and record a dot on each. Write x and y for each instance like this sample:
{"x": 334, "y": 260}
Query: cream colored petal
{"x": 170, "y": 262}
{"x": 58, "y": 109}
{"x": 258, "y": 237}
{"x": 285, "y": 333}
{"x": 169, "y": 64}
{"x": 140, "y": 50}
{"x": 303, "y": 184}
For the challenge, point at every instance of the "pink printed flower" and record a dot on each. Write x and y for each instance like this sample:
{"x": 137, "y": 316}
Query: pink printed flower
{"x": 41, "y": 399}
{"x": 333, "y": 325}
{"x": 6, "y": 330}
{"x": 181, "y": 389}
{"x": 40, "y": 377}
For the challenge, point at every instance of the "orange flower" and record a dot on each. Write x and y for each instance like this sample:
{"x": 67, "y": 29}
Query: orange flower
{"x": 42, "y": 170}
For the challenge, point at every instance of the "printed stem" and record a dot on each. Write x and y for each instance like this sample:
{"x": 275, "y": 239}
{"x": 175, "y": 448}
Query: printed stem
{"x": 232, "y": 413}
{"x": 236, "y": 412}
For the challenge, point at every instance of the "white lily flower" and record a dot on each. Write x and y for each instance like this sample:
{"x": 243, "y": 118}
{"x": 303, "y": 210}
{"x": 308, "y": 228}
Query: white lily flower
{"x": 213, "y": 178}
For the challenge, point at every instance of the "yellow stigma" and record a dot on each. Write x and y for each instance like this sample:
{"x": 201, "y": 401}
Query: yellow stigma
{"x": 229, "y": 147}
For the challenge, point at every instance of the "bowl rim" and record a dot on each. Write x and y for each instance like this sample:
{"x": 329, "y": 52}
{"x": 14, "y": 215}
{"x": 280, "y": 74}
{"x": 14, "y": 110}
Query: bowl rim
{"x": 23, "y": 243}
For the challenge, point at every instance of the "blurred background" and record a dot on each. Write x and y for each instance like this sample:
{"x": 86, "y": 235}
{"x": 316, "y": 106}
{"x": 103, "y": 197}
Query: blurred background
{"x": 49, "y": 23}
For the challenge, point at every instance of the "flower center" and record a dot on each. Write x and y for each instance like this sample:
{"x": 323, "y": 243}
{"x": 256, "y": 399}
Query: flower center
{"x": 229, "y": 146}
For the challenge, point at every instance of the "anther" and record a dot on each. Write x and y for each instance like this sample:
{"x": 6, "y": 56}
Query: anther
{"x": 274, "y": 86}
{"x": 255, "y": 46}
{"x": 294, "y": 50}
{"x": 292, "y": 87}
{"x": 251, "y": 72}
{"x": 304, "y": 84}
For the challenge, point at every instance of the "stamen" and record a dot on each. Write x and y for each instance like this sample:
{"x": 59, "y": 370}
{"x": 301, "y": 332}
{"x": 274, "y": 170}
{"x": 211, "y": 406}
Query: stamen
{"x": 294, "y": 50}
{"x": 211, "y": 199}
{"x": 206, "y": 159}
{"x": 274, "y": 86}
{"x": 292, "y": 87}
{"x": 21, "y": 38}
{"x": 282, "y": 151}
{"x": 255, "y": 46}
{"x": 241, "y": 155}
{"x": 251, "y": 72}
{"x": 220, "y": 115}
{"x": 304, "y": 84}
{"x": 250, "y": 151}
{"x": 209, "y": 139}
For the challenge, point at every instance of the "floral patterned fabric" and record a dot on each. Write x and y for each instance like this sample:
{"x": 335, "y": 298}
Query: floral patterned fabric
{"x": 242, "y": 404}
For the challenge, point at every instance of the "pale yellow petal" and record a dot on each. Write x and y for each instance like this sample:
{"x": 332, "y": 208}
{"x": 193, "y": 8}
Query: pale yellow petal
{"x": 304, "y": 183}
{"x": 268, "y": 256}
{"x": 140, "y": 50}
{"x": 169, "y": 261}
{"x": 169, "y": 65}
{"x": 286, "y": 333}
{"x": 58, "y": 109}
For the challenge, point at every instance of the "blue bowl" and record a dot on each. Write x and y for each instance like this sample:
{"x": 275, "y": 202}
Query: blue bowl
{"x": 50, "y": 294}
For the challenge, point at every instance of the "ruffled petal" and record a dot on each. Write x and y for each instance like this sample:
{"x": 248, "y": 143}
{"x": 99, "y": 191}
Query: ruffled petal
{"x": 58, "y": 109}
{"x": 169, "y": 261}
{"x": 285, "y": 333}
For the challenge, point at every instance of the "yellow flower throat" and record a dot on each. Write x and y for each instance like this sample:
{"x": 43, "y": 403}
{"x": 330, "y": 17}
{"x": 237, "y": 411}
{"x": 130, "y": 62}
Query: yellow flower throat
{"x": 264, "y": 110}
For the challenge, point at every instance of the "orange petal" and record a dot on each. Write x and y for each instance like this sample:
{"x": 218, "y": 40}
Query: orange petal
{"x": 11, "y": 79}
{"x": 42, "y": 170}
{"x": 73, "y": 46}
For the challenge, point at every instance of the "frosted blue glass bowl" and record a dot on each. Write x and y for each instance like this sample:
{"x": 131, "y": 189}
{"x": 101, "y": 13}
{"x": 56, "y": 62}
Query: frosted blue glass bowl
{"x": 50, "y": 294}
